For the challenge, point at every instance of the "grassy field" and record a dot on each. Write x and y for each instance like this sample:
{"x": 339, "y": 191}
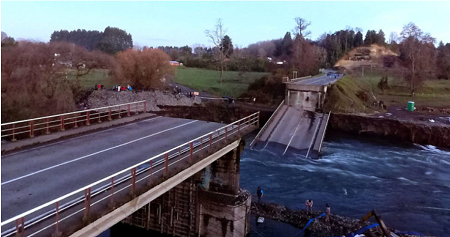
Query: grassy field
{"x": 433, "y": 93}
{"x": 208, "y": 80}
{"x": 96, "y": 76}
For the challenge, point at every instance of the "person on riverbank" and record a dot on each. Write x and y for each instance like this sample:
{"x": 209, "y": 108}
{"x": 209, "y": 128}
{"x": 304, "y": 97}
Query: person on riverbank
{"x": 259, "y": 193}
{"x": 309, "y": 204}
{"x": 327, "y": 213}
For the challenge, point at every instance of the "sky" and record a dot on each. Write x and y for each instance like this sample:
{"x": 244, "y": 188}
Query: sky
{"x": 179, "y": 23}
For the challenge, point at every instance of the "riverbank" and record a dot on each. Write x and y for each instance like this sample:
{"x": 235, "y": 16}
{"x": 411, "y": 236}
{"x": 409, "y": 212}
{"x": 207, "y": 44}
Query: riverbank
{"x": 338, "y": 225}
{"x": 414, "y": 131}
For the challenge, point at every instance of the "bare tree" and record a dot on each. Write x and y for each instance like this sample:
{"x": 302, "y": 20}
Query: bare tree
{"x": 393, "y": 37}
{"x": 216, "y": 35}
{"x": 417, "y": 52}
{"x": 300, "y": 28}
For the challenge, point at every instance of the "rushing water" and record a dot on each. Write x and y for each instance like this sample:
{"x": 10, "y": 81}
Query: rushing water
{"x": 408, "y": 185}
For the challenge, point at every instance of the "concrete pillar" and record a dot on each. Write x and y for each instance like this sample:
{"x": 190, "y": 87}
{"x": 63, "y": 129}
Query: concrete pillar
{"x": 223, "y": 175}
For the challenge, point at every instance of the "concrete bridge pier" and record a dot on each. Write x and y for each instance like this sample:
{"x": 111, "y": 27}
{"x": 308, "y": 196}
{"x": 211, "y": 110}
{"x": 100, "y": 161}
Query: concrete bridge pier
{"x": 209, "y": 203}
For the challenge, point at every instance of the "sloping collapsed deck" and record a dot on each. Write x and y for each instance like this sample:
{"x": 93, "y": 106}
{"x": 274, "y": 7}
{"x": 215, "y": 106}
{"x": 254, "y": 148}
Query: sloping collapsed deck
{"x": 292, "y": 129}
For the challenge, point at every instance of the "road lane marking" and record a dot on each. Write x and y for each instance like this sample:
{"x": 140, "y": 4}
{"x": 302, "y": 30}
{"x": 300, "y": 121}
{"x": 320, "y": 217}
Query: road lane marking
{"x": 95, "y": 153}
{"x": 78, "y": 137}
{"x": 295, "y": 132}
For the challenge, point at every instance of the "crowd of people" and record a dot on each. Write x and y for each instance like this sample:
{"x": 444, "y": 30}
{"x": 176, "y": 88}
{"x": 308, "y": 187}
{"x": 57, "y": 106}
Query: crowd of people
{"x": 115, "y": 88}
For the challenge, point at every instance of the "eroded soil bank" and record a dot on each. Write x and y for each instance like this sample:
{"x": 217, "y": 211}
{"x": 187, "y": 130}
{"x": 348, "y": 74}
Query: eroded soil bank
{"x": 415, "y": 131}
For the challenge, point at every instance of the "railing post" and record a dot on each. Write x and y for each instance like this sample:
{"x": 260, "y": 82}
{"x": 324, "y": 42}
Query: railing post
{"x": 239, "y": 126}
{"x": 133, "y": 181}
{"x": 48, "y": 127}
{"x": 257, "y": 124}
{"x": 88, "y": 119}
{"x": 210, "y": 142}
{"x": 145, "y": 107}
{"x": 226, "y": 133}
{"x": 62, "y": 123}
{"x": 151, "y": 173}
{"x": 111, "y": 203}
{"x": 166, "y": 165}
{"x": 99, "y": 118}
{"x": 31, "y": 128}
{"x": 119, "y": 112}
{"x": 14, "y": 133}
{"x": 20, "y": 227}
{"x": 87, "y": 204}
{"x": 57, "y": 232}
{"x": 109, "y": 114}
{"x": 76, "y": 122}
{"x": 128, "y": 110}
{"x": 191, "y": 147}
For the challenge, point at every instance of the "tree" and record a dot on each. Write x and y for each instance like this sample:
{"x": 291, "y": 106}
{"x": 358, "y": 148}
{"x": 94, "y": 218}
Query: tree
{"x": 393, "y": 37}
{"x": 371, "y": 37}
{"x": 144, "y": 69}
{"x": 417, "y": 54}
{"x": 115, "y": 40}
{"x": 358, "y": 40}
{"x": 380, "y": 39}
{"x": 216, "y": 36}
{"x": 300, "y": 28}
{"x": 226, "y": 46}
{"x": 4, "y": 35}
{"x": 37, "y": 79}
{"x": 443, "y": 60}
{"x": 286, "y": 44}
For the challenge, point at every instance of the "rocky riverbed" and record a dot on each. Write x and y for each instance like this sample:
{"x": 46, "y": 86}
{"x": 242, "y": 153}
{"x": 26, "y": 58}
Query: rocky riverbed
{"x": 338, "y": 225}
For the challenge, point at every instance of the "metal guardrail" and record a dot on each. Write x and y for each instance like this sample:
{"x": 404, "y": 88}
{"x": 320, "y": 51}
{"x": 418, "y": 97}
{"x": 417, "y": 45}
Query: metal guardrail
{"x": 99, "y": 189}
{"x": 60, "y": 122}
{"x": 324, "y": 131}
{"x": 262, "y": 129}
{"x": 299, "y": 78}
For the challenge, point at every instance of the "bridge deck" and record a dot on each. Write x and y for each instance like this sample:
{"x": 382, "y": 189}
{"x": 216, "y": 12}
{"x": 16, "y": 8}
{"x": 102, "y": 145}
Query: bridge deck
{"x": 36, "y": 176}
{"x": 294, "y": 129}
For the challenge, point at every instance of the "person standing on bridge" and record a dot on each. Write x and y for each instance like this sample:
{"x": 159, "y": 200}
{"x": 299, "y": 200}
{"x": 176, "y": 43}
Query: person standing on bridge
{"x": 259, "y": 193}
{"x": 309, "y": 204}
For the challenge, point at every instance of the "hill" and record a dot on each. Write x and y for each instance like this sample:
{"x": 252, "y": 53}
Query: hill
{"x": 364, "y": 55}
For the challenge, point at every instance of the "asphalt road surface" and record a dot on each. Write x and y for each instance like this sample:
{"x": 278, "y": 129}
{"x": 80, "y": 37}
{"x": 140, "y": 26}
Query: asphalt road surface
{"x": 322, "y": 80}
{"x": 35, "y": 176}
{"x": 292, "y": 127}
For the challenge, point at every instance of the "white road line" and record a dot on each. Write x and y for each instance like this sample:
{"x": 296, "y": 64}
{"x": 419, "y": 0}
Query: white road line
{"x": 95, "y": 153}
{"x": 295, "y": 132}
{"x": 77, "y": 137}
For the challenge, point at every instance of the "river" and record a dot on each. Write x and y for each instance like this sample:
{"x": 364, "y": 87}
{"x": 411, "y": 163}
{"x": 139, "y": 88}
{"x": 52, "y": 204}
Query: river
{"x": 407, "y": 184}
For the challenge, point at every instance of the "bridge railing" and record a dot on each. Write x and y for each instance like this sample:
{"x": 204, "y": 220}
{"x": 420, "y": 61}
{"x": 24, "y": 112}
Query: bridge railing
{"x": 107, "y": 192}
{"x": 60, "y": 122}
{"x": 265, "y": 125}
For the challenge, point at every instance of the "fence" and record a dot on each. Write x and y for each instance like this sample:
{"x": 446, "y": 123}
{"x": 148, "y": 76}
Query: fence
{"x": 60, "y": 122}
{"x": 107, "y": 192}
